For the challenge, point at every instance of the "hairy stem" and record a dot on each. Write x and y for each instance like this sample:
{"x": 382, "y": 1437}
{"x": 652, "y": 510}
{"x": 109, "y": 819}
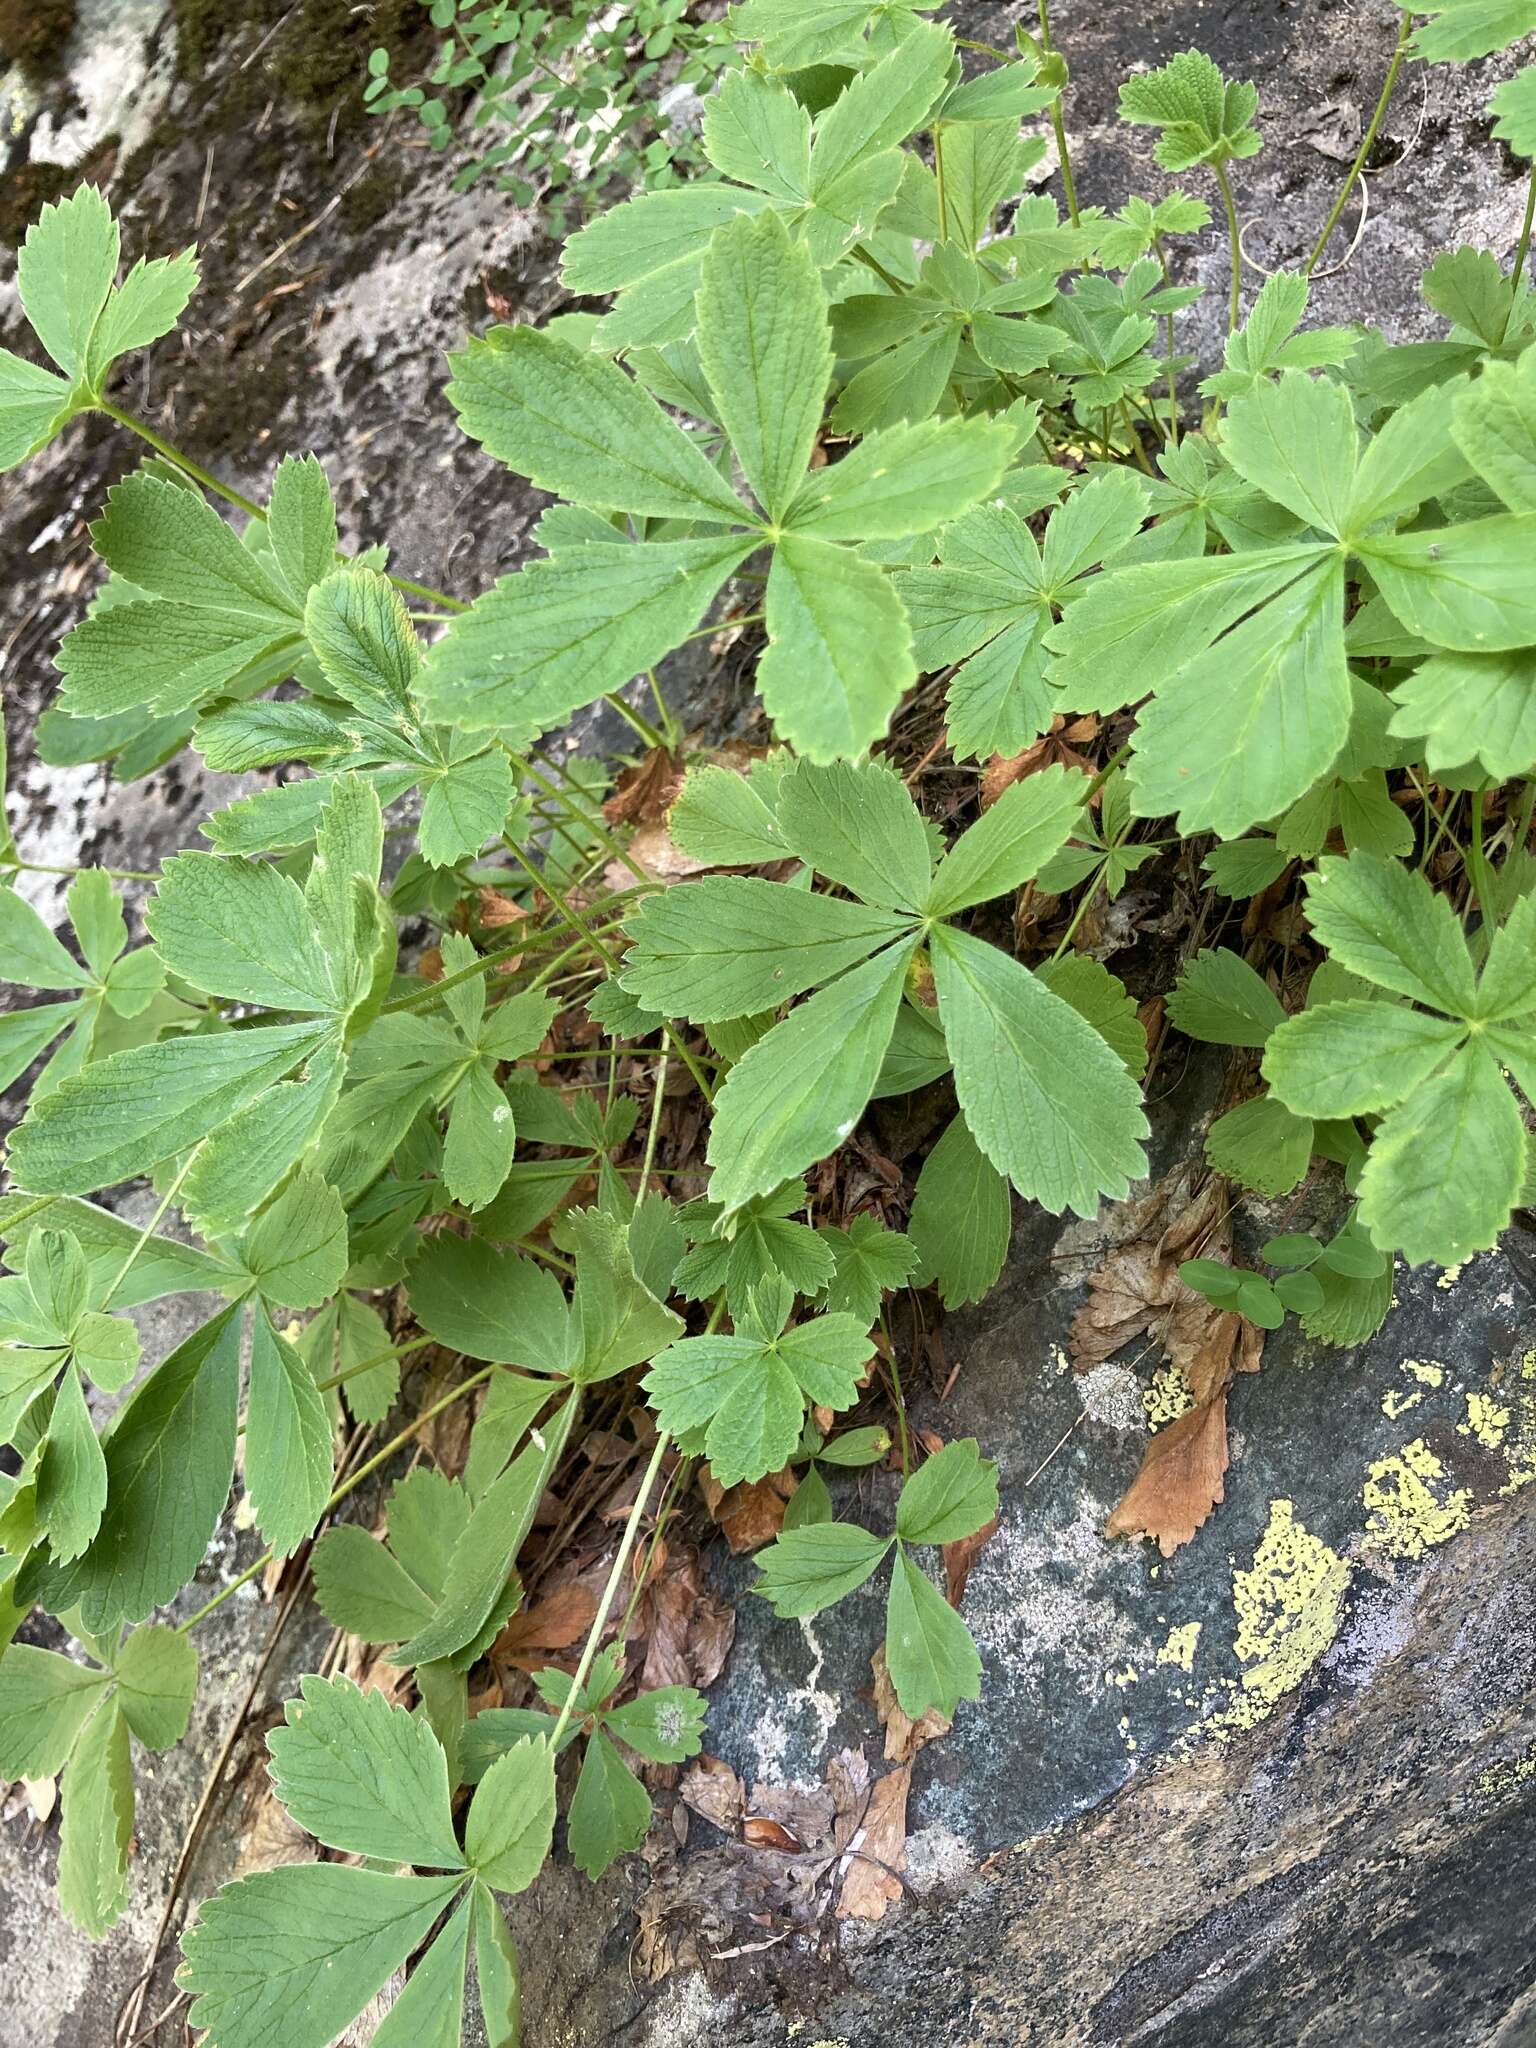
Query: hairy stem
{"x": 1235, "y": 238}
{"x": 1068, "y": 186}
{"x": 1367, "y": 141}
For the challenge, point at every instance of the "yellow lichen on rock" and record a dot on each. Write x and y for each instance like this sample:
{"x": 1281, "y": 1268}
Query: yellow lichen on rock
{"x": 1180, "y": 1646}
{"x": 1405, "y": 1515}
{"x": 1168, "y": 1397}
{"x": 1290, "y": 1603}
{"x": 1486, "y": 1420}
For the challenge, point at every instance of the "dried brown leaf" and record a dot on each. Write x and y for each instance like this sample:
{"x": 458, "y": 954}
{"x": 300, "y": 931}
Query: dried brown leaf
{"x": 1180, "y": 1481}
{"x": 960, "y": 1557}
{"x": 555, "y": 1622}
{"x": 878, "y": 1850}
{"x": 711, "y": 1789}
{"x": 751, "y": 1514}
{"x": 645, "y": 792}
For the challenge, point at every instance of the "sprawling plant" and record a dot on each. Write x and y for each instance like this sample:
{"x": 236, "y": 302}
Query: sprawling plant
{"x": 932, "y": 439}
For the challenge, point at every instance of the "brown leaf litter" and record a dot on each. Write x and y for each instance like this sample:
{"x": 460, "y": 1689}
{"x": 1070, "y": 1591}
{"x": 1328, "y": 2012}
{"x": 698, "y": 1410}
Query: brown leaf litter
{"x": 1137, "y": 1292}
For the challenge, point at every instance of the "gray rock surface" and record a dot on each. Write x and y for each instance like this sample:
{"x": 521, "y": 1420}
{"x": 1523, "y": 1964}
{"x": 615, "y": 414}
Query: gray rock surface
{"x": 1309, "y": 1822}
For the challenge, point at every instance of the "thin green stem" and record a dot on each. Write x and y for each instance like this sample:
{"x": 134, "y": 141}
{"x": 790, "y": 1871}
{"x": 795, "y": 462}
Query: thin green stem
{"x": 1477, "y": 862}
{"x": 938, "y": 172}
{"x": 655, "y": 1130}
{"x": 610, "y": 1591}
{"x": 901, "y": 1400}
{"x": 593, "y": 825}
{"x": 574, "y": 919}
{"x": 231, "y": 496}
{"x": 1235, "y": 238}
{"x": 632, "y": 718}
{"x": 880, "y": 271}
{"x": 396, "y": 1443}
{"x": 1522, "y": 826}
{"x": 1138, "y": 453}
{"x": 149, "y": 1229}
{"x": 1522, "y": 247}
{"x": 672, "y": 732}
{"x": 1172, "y": 434}
{"x": 1367, "y": 141}
{"x": 13, "y": 864}
{"x": 1068, "y": 187}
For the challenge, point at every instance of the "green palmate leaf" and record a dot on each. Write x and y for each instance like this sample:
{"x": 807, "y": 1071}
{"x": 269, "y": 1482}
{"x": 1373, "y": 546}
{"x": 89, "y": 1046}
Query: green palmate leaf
{"x": 1514, "y": 103}
{"x": 45, "y": 1700}
{"x": 465, "y": 805}
{"x": 1459, "y": 586}
{"x": 962, "y": 1218}
{"x": 147, "y": 304}
{"x": 301, "y": 525}
{"x": 512, "y": 1817}
{"x": 1462, "y": 29}
{"x": 726, "y": 819}
{"x": 916, "y": 1054}
{"x": 1382, "y": 921}
{"x": 950, "y": 1496}
{"x": 363, "y": 1776}
{"x": 34, "y": 404}
{"x": 610, "y": 1809}
{"x": 1104, "y": 1001}
{"x": 29, "y": 952}
{"x": 665, "y": 1725}
{"x": 161, "y": 1266}
{"x": 1132, "y": 630}
{"x": 1471, "y": 707}
{"x": 358, "y": 631}
{"x": 97, "y": 1824}
{"x": 289, "y": 1958}
{"x": 1494, "y": 422}
{"x": 289, "y": 1468}
{"x": 1507, "y": 984}
{"x": 72, "y": 1479}
{"x": 839, "y": 653}
{"x": 477, "y": 1154}
{"x": 1011, "y": 842}
{"x": 1220, "y": 1000}
{"x": 169, "y": 658}
{"x": 170, "y": 1459}
{"x": 764, "y": 346}
{"x": 928, "y": 1649}
{"x": 747, "y": 1393}
{"x": 26, "y": 1033}
{"x": 296, "y": 1250}
{"x": 1261, "y": 1145}
{"x": 763, "y": 1245}
{"x": 796, "y": 1095}
{"x": 64, "y": 272}
{"x": 575, "y": 424}
{"x": 156, "y": 1684}
{"x": 240, "y": 929}
{"x": 489, "y": 1304}
{"x": 733, "y": 946}
{"x": 1268, "y": 341}
{"x": 856, "y": 824}
{"x": 136, "y": 1108}
{"x": 870, "y": 1259}
{"x": 1411, "y": 458}
{"x": 1204, "y": 119}
{"x": 1244, "y": 729}
{"x": 1046, "y": 1099}
{"x": 806, "y": 1570}
{"x": 429, "y": 2013}
{"x": 1352, "y": 1058}
{"x": 542, "y": 643}
{"x": 1447, "y": 1166}
{"x": 361, "y": 1587}
{"x": 1294, "y": 439}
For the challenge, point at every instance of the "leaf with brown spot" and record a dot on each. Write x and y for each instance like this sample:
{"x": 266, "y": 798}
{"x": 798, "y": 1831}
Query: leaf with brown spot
{"x": 904, "y": 1737}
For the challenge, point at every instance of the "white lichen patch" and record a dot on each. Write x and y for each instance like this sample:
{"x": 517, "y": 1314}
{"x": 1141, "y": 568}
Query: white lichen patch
{"x": 1487, "y": 1420}
{"x": 1408, "y": 1507}
{"x": 1179, "y": 1649}
{"x": 1111, "y": 1394}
